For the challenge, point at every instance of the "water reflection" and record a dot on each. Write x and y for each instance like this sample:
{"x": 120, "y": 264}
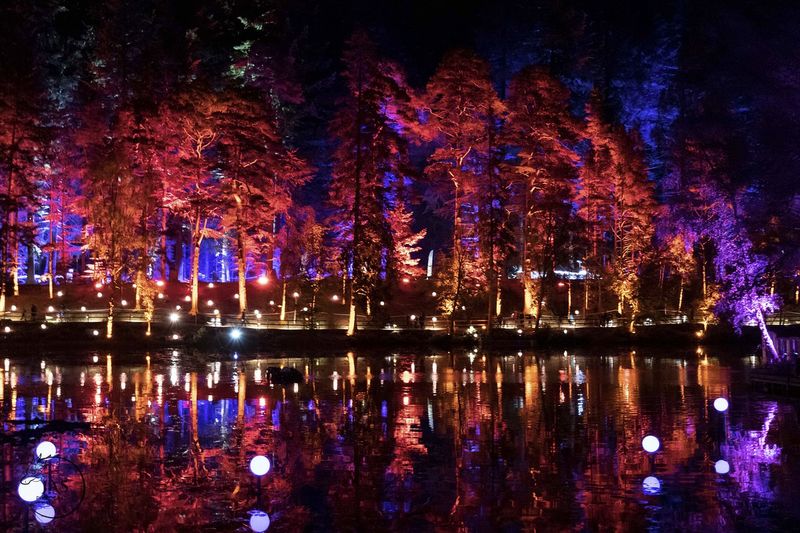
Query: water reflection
{"x": 419, "y": 442}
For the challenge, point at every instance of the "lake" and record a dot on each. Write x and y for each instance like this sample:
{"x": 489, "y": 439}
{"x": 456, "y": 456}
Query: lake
{"x": 469, "y": 441}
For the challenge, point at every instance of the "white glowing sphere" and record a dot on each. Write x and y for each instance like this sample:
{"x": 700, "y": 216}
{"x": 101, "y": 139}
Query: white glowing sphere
{"x": 263, "y": 280}
{"x": 173, "y": 317}
{"x": 722, "y": 467}
{"x": 651, "y": 485}
{"x": 236, "y": 334}
{"x": 46, "y": 450}
{"x": 30, "y": 489}
{"x": 721, "y": 405}
{"x": 259, "y": 521}
{"x": 44, "y": 513}
{"x": 259, "y": 465}
{"x": 651, "y": 444}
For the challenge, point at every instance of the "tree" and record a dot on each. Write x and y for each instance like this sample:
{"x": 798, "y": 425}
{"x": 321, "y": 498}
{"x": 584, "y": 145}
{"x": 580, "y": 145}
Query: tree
{"x": 460, "y": 113}
{"x": 370, "y": 171}
{"x": 542, "y": 133}
{"x": 618, "y": 208}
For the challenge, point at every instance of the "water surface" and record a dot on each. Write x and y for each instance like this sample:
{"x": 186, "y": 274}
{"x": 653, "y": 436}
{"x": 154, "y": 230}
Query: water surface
{"x": 467, "y": 441}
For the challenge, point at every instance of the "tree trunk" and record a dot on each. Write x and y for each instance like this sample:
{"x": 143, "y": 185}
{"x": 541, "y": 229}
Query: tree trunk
{"x": 195, "y": 273}
{"x": 680, "y": 296}
{"x": 283, "y": 299}
{"x": 242, "y": 272}
{"x": 765, "y": 337}
{"x": 351, "y": 302}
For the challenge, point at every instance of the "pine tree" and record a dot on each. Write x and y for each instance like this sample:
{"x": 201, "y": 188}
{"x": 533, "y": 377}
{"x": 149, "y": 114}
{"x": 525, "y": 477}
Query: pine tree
{"x": 543, "y": 135}
{"x": 461, "y": 112}
{"x": 369, "y": 175}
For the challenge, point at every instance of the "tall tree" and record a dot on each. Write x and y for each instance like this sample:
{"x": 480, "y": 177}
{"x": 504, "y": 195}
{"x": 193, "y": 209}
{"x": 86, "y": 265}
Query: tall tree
{"x": 370, "y": 172}
{"x": 460, "y": 110}
{"x": 543, "y": 135}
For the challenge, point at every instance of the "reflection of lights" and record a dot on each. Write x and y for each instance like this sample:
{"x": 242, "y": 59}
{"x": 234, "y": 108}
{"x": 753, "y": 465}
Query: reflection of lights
{"x": 259, "y": 465}
{"x": 722, "y": 467}
{"x": 406, "y": 399}
{"x": 651, "y": 485}
{"x": 44, "y": 513}
{"x": 209, "y": 380}
{"x": 259, "y": 521}
{"x": 721, "y": 405}
{"x": 30, "y": 489}
{"x": 651, "y": 444}
{"x": 46, "y": 450}
{"x": 406, "y": 376}
{"x": 335, "y": 377}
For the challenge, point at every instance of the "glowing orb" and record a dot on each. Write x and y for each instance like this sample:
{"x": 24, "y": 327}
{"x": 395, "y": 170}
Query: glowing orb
{"x": 46, "y": 450}
{"x": 722, "y": 467}
{"x": 259, "y": 465}
{"x": 651, "y": 444}
{"x": 259, "y": 521}
{"x": 651, "y": 485}
{"x": 44, "y": 513}
{"x": 30, "y": 489}
{"x": 721, "y": 405}
{"x": 263, "y": 280}
{"x": 173, "y": 317}
{"x": 236, "y": 334}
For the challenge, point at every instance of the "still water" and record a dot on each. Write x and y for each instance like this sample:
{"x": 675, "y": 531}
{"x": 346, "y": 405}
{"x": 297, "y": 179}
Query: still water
{"x": 466, "y": 441}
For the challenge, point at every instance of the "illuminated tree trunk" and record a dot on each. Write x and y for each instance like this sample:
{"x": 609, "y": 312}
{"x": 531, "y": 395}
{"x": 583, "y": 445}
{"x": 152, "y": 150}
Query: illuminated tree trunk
{"x": 680, "y": 296}
{"x": 242, "y": 271}
{"x": 283, "y": 299}
{"x": 197, "y": 239}
{"x": 765, "y": 337}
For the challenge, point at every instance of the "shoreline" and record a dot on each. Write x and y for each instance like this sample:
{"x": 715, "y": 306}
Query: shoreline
{"x": 30, "y": 337}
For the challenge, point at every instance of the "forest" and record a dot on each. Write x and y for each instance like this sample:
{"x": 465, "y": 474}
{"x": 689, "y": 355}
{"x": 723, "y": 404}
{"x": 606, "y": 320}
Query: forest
{"x": 647, "y": 156}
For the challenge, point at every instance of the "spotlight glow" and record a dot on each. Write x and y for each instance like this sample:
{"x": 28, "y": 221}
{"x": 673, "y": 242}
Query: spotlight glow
{"x": 236, "y": 334}
{"x": 46, "y": 450}
{"x": 30, "y": 489}
{"x": 721, "y": 405}
{"x": 651, "y": 444}
{"x": 259, "y": 465}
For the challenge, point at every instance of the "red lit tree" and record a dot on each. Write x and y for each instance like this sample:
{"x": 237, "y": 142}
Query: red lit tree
{"x": 618, "y": 208}
{"x": 368, "y": 185}
{"x": 460, "y": 113}
{"x": 542, "y": 133}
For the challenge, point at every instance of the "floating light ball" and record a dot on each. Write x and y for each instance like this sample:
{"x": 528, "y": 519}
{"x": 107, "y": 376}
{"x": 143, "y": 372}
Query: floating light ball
{"x": 50, "y": 308}
{"x": 7, "y": 329}
{"x": 99, "y": 294}
{"x": 173, "y": 317}
{"x": 13, "y": 307}
{"x": 722, "y": 467}
{"x": 259, "y": 465}
{"x": 44, "y": 513}
{"x": 46, "y": 450}
{"x": 83, "y": 308}
{"x": 30, "y": 489}
{"x": 259, "y": 521}
{"x": 59, "y": 294}
{"x": 263, "y": 280}
{"x": 124, "y": 302}
{"x": 187, "y": 298}
{"x": 95, "y": 333}
{"x": 335, "y": 298}
{"x": 721, "y": 405}
{"x": 651, "y": 444}
{"x": 236, "y": 334}
{"x": 651, "y": 485}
